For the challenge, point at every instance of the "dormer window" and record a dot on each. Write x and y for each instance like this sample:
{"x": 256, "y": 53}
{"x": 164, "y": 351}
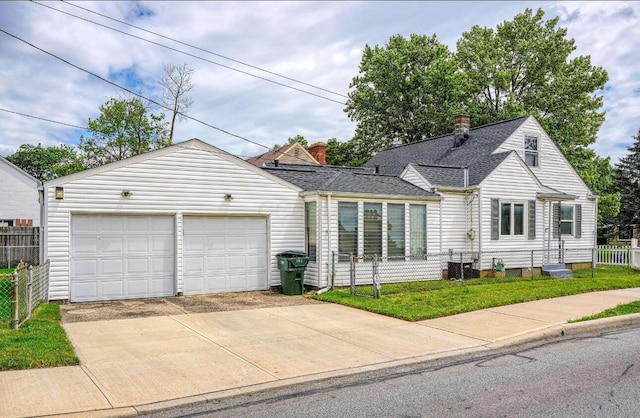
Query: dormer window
{"x": 531, "y": 151}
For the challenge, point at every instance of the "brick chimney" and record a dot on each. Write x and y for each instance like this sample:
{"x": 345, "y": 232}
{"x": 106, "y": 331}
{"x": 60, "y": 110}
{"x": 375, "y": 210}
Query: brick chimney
{"x": 461, "y": 130}
{"x": 318, "y": 150}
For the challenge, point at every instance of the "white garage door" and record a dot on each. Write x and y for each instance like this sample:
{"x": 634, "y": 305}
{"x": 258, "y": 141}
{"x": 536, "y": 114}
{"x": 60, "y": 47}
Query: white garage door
{"x": 121, "y": 257}
{"x": 224, "y": 254}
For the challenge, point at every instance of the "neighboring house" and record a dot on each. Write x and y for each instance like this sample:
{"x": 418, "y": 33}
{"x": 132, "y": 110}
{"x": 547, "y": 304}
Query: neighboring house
{"x": 504, "y": 187}
{"x": 293, "y": 153}
{"x": 19, "y": 196}
{"x": 185, "y": 219}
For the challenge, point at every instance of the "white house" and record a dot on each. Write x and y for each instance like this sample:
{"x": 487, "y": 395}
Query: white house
{"x": 192, "y": 219}
{"x": 501, "y": 191}
{"x": 19, "y": 196}
{"x": 504, "y": 187}
{"x": 186, "y": 219}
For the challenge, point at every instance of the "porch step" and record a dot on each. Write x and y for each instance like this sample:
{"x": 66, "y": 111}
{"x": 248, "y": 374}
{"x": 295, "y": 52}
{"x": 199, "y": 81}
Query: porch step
{"x": 558, "y": 270}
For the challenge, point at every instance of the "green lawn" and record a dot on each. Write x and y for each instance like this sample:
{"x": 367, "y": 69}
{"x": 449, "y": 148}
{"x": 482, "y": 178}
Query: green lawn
{"x": 433, "y": 299}
{"x": 39, "y": 342}
{"x": 626, "y": 309}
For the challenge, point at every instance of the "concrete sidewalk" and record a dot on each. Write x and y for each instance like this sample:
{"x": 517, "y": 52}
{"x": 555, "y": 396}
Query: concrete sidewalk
{"x": 132, "y": 366}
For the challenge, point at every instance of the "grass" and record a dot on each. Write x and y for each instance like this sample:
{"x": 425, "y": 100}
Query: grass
{"x": 626, "y": 309}
{"x": 432, "y": 299}
{"x": 39, "y": 342}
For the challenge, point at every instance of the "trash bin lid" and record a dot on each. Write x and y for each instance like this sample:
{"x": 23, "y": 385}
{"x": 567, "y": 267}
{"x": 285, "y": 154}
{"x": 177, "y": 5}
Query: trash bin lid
{"x": 291, "y": 254}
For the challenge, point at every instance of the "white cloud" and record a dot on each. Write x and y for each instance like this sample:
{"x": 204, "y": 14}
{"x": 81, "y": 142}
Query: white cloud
{"x": 316, "y": 42}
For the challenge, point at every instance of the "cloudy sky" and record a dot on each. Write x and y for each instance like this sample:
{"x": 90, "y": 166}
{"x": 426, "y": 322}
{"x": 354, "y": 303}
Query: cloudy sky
{"x": 318, "y": 43}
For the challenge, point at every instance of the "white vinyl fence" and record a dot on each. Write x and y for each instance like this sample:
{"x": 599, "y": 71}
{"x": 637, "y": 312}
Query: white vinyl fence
{"x": 619, "y": 256}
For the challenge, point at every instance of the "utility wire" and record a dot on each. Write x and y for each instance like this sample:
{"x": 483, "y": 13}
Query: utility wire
{"x": 206, "y": 50}
{"x": 132, "y": 92}
{"x": 189, "y": 54}
{"x": 242, "y": 157}
{"x": 44, "y": 119}
{"x": 125, "y": 89}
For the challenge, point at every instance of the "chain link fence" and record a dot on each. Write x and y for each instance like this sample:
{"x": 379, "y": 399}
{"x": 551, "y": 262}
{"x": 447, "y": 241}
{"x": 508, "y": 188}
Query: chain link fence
{"x": 21, "y": 292}
{"x": 11, "y": 256}
{"x": 364, "y": 274}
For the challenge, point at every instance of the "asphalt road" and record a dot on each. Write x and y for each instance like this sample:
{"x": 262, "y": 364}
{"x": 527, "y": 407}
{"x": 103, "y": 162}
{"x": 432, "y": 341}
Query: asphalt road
{"x": 589, "y": 376}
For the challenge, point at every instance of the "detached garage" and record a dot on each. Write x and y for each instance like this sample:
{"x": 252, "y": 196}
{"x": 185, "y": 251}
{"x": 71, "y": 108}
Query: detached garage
{"x": 186, "y": 219}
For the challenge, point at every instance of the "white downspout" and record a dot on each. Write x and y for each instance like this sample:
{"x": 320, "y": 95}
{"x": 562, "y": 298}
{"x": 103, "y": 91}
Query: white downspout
{"x": 329, "y": 255}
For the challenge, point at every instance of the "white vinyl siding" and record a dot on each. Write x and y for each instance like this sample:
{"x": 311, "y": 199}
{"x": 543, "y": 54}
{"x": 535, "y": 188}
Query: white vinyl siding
{"x": 511, "y": 183}
{"x": 554, "y": 171}
{"x": 455, "y": 222}
{"x": 185, "y": 179}
{"x": 18, "y": 194}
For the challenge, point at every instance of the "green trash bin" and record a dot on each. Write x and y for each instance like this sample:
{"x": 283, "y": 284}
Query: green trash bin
{"x": 292, "y": 265}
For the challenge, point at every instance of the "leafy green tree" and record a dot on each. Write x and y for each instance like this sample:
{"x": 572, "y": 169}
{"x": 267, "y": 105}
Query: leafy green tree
{"x": 342, "y": 153}
{"x": 406, "y": 91}
{"x": 524, "y": 67}
{"x": 410, "y": 89}
{"x": 47, "y": 163}
{"x": 299, "y": 139}
{"x": 124, "y": 128}
{"x": 626, "y": 175}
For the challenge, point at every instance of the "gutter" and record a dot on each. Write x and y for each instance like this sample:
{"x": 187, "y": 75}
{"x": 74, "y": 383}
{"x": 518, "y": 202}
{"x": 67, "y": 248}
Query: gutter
{"x": 368, "y": 195}
{"x": 329, "y": 281}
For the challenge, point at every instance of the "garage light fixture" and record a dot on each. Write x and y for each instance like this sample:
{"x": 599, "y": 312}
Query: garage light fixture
{"x": 126, "y": 194}
{"x": 228, "y": 197}
{"x": 59, "y": 193}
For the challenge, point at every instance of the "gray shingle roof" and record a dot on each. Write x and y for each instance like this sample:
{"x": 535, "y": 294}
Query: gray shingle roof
{"x": 438, "y": 152}
{"x": 346, "y": 180}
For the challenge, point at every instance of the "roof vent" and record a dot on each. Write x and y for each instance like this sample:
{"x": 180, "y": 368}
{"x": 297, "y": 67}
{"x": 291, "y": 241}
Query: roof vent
{"x": 461, "y": 131}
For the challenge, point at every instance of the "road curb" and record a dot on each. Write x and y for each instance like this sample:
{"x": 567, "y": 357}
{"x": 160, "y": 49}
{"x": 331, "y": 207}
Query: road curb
{"x": 577, "y": 328}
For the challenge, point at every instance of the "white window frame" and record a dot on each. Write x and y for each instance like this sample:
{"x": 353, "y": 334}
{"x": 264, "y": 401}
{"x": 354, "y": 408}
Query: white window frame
{"x": 571, "y": 222}
{"x": 528, "y": 152}
{"x": 512, "y": 224}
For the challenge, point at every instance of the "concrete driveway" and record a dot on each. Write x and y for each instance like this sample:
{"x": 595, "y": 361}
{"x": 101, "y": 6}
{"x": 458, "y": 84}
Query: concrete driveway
{"x": 130, "y": 366}
{"x": 178, "y": 305}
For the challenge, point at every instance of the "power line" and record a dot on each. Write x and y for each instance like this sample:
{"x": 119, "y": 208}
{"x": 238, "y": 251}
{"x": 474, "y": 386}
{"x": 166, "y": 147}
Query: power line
{"x": 187, "y": 53}
{"x": 132, "y": 92}
{"x": 206, "y": 50}
{"x": 123, "y": 88}
{"x": 44, "y": 119}
{"x": 242, "y": 157}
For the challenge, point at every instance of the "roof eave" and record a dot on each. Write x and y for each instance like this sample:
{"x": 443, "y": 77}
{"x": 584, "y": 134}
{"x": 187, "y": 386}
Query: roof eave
{"x": 368, "y": 195}
{"x": 555, "y": 196}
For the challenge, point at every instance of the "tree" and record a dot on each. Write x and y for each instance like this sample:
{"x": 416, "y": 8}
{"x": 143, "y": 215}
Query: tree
{"x": 410, "y": 90}
{"x": 298, "y": 138}
{"x": 626, "y": 181}
{"x": 47, "y": 163}
{"x": 342, "y": 153}
{"x": 176, "y": 83}
{"x": 124, "y": 128}
{"x": 406, "y": 91}
{"x": 524, "y": 67}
